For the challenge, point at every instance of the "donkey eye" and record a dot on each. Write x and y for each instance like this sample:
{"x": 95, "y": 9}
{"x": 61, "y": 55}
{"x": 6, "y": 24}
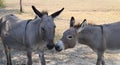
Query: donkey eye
{"x": 69, "y": 37}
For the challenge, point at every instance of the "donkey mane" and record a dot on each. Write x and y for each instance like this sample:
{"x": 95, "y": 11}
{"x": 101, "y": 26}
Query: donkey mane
{"x": 89, "y": 24}
{"x": 92, "y": 24}
{"x": 44, "y": 12}
{"x": 77, "y": 25}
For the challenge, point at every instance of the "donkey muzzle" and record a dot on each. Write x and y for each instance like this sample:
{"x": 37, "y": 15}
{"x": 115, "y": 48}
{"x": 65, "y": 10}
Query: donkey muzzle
{"x": 57, "y": 48}
{"x": 50, "y": 46}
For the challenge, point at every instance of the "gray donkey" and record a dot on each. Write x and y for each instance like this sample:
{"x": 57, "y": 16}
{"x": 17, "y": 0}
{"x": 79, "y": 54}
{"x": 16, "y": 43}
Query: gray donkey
{"x": 98, "y": 37}
{"x": 28, "y": 35}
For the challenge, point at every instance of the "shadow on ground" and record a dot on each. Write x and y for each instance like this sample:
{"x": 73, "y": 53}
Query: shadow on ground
{"x": 4, "y": 11}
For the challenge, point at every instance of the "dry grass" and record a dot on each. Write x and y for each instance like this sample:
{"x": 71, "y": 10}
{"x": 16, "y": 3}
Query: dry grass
{"x": 95, "y": 11}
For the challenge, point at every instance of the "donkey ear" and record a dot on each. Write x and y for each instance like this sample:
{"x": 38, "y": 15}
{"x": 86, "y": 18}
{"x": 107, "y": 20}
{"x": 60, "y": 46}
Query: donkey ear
{"x": 57, "y": 13}
{"x": 36, "y": 11}
{"x": 82, "y": 26}
{"x": 72, "y": 21}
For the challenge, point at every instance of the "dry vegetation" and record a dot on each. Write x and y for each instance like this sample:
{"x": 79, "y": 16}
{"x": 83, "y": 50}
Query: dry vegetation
{"x": 95, "y": 11}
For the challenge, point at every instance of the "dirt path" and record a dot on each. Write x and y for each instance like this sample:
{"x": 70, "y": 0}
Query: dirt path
{"x": 95, "y": 11}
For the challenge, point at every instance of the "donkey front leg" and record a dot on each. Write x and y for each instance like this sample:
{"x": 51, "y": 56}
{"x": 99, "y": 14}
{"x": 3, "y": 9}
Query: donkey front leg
{"x": 42, "y": 58}
{"x": 29, "y": 55}
{"x": 100, "y": 58}
{"x": 8, "y": 55}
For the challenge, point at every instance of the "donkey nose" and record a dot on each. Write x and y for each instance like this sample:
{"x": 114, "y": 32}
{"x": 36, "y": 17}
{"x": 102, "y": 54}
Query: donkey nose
{"x": 50, "y": 46}
{"x": 57, "y": 48}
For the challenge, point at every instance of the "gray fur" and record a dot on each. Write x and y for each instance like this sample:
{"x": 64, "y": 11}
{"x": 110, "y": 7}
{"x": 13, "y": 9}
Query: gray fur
{"x": 28, "y": 35}
{"x": 98, "y": 37}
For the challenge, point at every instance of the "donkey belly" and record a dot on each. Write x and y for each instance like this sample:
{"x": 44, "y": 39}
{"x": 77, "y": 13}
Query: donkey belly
{"x": 113, "y": 51}
{"x": 113, "y": 46}
{"x": 14, "y": 44}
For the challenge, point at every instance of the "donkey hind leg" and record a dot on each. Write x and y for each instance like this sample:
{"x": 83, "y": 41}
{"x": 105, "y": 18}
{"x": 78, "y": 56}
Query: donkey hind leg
{"x": 100, "y": 58}
{"x": 8, "y": 55}
{"x": 29, "y": 55}
{"x": 42, "y": 58}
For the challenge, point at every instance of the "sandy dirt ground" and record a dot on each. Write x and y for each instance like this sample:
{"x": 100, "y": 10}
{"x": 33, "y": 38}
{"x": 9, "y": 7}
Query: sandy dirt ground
{"x": 95, "y": 11}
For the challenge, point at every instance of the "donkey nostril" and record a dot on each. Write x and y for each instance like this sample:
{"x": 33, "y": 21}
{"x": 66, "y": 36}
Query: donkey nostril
{"x": 50, "y": 46}
{"x": 58, "y": 48}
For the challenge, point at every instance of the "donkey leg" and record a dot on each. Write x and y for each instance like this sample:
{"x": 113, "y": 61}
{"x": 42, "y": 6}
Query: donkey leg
{"x": 7, "y": 53}
{"x": 29, "y": 55}
{"x": 100, "y": 58}
{"x": 103, "y": 61}
{"x": 42, "y": 58}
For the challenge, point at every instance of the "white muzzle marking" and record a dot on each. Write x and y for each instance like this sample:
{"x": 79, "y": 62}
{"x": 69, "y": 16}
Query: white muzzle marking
{"x": 61, "y": 44}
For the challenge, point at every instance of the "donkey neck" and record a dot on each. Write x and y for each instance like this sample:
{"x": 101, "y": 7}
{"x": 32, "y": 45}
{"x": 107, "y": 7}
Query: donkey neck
{"x": 39, "y": 32}
{"x": 35, "y": 27}
{"x": 90, "y": 35}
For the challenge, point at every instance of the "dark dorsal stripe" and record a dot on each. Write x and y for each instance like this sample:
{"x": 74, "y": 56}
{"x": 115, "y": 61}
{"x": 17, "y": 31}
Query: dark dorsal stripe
{"x": 27, "y": 24}
{"x": 24, "y": 37}
{"x": 0, "y": 26}
{"x": 103, "y": 38}
{"x": 101, "y": 29}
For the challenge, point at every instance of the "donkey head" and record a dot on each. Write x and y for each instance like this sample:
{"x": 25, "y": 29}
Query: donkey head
{"x": 70, "y": 36}
{"x": 47, "y": 26}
